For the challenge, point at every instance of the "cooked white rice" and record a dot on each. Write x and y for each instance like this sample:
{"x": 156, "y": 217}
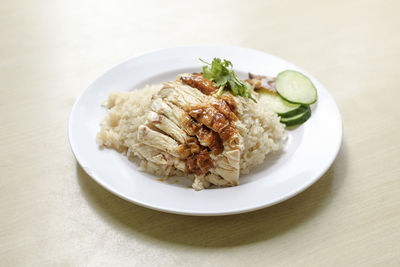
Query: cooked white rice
{"x": 259, "y": 128}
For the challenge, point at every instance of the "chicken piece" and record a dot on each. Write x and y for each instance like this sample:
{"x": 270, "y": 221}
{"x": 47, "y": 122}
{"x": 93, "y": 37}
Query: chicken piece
{"x": 181, "y": 98}
{"x": 175, "y": 114}
{"x": 225, "y": 109}
{"x": 158, "y": 140}
{"x": 204, "y": 181}
{"x": 227, "y": 165}
{"x": 151, "y": 154}
{"x": 197, "y": 80}
{"x": 231, "y": 102}
{"x": 215, "y": 179}
{"x": 228, "y": 159}
{"x": 214, "y": 119}
{"x": 228, "y": 175}
{"x": 189, "y": 148}
{"x": 200, "y": 183}
{"x": 189, "y": 89}
{"x": 199, "y": 163}
{"x": 262, "y": 82}
{"x": 158, "y": 156}
{"x": 177, "y": 95}
{"x": 206, "y": 136}
{"x": 204, "y": 161}
{"x": 166, "y": 125}
{"x": 160, "y": 107}
{"x": 210, "y": 139}
{"x": 226, "y": 104}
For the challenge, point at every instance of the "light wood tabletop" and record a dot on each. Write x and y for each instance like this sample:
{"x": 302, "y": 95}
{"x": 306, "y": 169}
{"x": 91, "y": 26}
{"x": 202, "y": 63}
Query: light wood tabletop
{"x": 53, "y": 214}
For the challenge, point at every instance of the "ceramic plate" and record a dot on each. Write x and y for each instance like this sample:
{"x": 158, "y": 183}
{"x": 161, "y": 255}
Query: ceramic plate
{"x": 309, "y": 151}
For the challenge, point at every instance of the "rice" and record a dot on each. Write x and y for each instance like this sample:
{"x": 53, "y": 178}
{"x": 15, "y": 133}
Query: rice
{"x": 260, "y": 130}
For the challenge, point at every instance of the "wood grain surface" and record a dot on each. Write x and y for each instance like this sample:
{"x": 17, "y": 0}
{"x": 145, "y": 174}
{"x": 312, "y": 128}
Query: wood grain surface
{"x": 53, "y": 214}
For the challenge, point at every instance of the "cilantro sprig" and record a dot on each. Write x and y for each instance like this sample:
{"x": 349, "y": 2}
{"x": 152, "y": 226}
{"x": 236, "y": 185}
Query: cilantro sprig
{"x": 225, "y": 78}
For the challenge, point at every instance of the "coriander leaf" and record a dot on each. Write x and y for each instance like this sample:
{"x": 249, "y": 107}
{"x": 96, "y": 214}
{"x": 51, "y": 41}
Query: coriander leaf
{"x": 207, "y": 73}
{"x": 221, "y": 72}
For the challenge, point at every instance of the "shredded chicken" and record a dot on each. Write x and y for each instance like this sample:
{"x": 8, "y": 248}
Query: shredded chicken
{"x": 193, "y": 131}
{"x": 158, "y": 140}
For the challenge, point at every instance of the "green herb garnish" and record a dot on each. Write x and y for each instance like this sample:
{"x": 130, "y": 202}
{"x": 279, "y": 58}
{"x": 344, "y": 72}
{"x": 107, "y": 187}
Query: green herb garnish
{"x": 225, "y": 78}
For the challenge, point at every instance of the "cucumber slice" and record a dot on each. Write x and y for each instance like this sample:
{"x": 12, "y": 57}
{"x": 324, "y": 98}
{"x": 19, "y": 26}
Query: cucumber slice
{"x": 279, "y": 105}
{"x": 297, "y": 119}
{"x": 295, "y": 87}
{"x": 295, "y": 112}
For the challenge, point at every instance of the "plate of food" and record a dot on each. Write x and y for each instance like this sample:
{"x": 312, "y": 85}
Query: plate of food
{"x": 205, "y": 130}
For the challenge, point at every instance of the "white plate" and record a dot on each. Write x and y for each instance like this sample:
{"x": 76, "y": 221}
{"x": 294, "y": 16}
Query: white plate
{"x": 309, "y": 152}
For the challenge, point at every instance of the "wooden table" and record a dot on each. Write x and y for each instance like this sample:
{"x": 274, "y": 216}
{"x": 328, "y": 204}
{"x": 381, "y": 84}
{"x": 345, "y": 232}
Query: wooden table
{"x": 53, "y": 214}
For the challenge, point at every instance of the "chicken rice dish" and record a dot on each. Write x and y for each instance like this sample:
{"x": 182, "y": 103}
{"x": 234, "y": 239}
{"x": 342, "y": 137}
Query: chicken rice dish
{"x": 193, "y": 126}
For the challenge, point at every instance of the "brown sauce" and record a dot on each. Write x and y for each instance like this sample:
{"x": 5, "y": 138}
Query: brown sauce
{"x": 204, "y": 161}
{"x": 191, "y": 125}
{"x": 197, "y": 80}
{"x": 197, "y": 157}
{"x": 230, "y": 102}
{"x": 211, "y": 139}
{"x": 199, "y": 163}
{"x": 224, "y": 108}
{"x": 189, "y": 148}
{"x": 215, "y": 120}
